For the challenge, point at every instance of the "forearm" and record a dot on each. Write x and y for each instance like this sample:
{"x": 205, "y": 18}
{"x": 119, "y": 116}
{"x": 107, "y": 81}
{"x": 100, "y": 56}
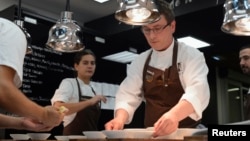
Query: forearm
{"x": 178, "y": 111}
{"x": 13, "y": 100}
{"x": 10, "y": 122}
{"x": 74, "y": 107}
{"x": 122, "y": 115}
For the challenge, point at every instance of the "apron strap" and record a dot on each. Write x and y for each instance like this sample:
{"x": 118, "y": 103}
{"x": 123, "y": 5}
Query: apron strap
{"x": 80, "y": 92}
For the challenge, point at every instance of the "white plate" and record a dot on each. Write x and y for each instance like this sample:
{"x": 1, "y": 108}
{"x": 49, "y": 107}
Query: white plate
{"x": 150, "y": 128}
{"x": 128, "y": 134}
{"x": 94, "y": 134}
{"x": 134, "y": 129}
{"x": 202, "y": 131}
{"x": 39, "y": 136}
{"x": 19, "y": 136}
{"x": 116, "y": 134}
{"x": 180, "y": 133}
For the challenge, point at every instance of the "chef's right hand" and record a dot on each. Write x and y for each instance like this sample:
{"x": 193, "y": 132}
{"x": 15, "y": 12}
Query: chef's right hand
{"x": 97, "y": 99}
{"x": 114, "y": 124}
{"x": 52, "y": 117}
{"x": 32, "y": 125}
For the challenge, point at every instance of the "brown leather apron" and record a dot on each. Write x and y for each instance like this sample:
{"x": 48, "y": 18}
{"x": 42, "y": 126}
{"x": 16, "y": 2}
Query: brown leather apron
{"x": 86, "y": 119}
{"x": 162, "y": 91}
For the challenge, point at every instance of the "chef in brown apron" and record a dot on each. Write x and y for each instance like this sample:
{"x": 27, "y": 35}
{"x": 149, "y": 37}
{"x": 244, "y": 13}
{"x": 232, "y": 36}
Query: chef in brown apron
{"x": 171, "y": 78}
{"x": 78, "y": 95}
{"x": 86, "y": 119}
{"x": 162, "y": 91}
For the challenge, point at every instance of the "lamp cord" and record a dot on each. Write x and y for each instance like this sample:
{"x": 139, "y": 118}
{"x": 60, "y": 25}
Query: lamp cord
{"x": 19, "y": 9}
{"x": 68, "y": 6}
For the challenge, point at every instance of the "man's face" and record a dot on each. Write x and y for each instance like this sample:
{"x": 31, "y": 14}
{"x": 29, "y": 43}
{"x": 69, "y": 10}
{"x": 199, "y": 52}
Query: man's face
{"x": 244, "y": 57}
{"x": 159, "y": 34}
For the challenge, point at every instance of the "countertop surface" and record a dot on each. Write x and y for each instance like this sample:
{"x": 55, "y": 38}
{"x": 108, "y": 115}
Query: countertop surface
{"x": 186, "y": 138}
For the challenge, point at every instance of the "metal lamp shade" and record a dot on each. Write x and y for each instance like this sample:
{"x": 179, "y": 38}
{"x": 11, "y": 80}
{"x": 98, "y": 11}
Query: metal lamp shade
{"x": 29, "y": 39}
{"x": 20, "y": 23}
{"x": 137, "y": 12}
{"x": 65, "y": 35}
{"x": 237, "y": 17}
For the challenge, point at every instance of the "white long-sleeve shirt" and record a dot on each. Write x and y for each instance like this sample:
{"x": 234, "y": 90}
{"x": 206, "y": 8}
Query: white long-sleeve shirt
{"x": 192, "y": 73}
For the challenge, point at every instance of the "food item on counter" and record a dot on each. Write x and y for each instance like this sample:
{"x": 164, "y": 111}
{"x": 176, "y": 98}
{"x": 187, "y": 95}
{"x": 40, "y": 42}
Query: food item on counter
{"x": 62, "y": 109}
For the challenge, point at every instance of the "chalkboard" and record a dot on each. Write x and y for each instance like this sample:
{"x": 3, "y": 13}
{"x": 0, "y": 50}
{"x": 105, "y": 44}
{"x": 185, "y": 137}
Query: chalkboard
{"x": 43, "y": 71}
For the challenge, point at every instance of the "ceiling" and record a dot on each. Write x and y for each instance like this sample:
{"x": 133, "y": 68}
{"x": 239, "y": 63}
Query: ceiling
{"x": 84, "y": 10}
{"x": 96, "y": 16}
{"x": 199, "y": 18}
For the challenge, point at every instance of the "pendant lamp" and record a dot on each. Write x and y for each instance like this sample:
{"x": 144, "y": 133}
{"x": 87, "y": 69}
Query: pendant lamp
{"x": 137, "y": 12}
{"x": 237, "y": 17}
{"x": 66, "y": 34}
{"x": 20, "y": 23}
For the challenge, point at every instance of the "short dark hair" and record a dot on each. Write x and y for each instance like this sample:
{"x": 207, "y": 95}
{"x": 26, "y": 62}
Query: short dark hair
{"x": 165, "y": 9}
{"x": 84, "y": 52}
{"x": 245, "y": 46}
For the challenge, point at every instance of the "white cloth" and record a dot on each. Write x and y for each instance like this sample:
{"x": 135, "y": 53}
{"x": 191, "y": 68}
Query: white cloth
{"x": 193, "y": 76}
{"x": 13, "y": 45}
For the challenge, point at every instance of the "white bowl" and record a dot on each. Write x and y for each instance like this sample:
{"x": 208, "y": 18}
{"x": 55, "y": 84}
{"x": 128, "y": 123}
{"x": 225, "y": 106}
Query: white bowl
{"x": 128, "y": 134}
{"x": 39, "y": 136}
{"x": 77, "y": 137}
{"x": 94, "y": 134}
{"x": 19, "y": 136}
{"x": 62, "y": 138}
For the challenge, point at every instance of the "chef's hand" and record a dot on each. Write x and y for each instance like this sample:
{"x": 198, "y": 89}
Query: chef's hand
{"x": 52, "y": 117}
{"x": 97, "y": 99}
{"x": 32, "y": 125}
{"x": 114, "y": 124}
{"x": 166, "y": 125}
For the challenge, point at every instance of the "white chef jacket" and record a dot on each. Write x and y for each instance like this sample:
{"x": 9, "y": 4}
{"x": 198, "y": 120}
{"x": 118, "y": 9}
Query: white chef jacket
{"x": 13, "y": 45}
{"x": 192, "y": 72}
{"x": 68, "y": 93}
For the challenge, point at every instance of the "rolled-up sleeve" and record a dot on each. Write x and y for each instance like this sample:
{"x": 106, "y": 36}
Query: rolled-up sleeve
{"x": 64, "y": 92}
{"x": 193, "y": 75}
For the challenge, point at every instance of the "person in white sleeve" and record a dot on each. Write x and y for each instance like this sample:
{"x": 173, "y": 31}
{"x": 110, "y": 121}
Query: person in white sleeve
{"x": 171, "y": 78}
{"x": 13, "y": 45}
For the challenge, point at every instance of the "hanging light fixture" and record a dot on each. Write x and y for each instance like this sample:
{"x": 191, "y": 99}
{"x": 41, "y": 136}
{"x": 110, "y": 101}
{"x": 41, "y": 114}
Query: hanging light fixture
{"x": 20, "y": 23}
{"x": 237, "y": 17}
{"x": 137, "y": 12}
{"x": 65, "y": 35}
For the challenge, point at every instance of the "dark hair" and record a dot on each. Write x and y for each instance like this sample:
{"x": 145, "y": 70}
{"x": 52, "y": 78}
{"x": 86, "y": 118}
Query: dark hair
{"x": 165, "y": 9}
{"x": 84, "y": 52}
{"x": 245, "y": 46}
